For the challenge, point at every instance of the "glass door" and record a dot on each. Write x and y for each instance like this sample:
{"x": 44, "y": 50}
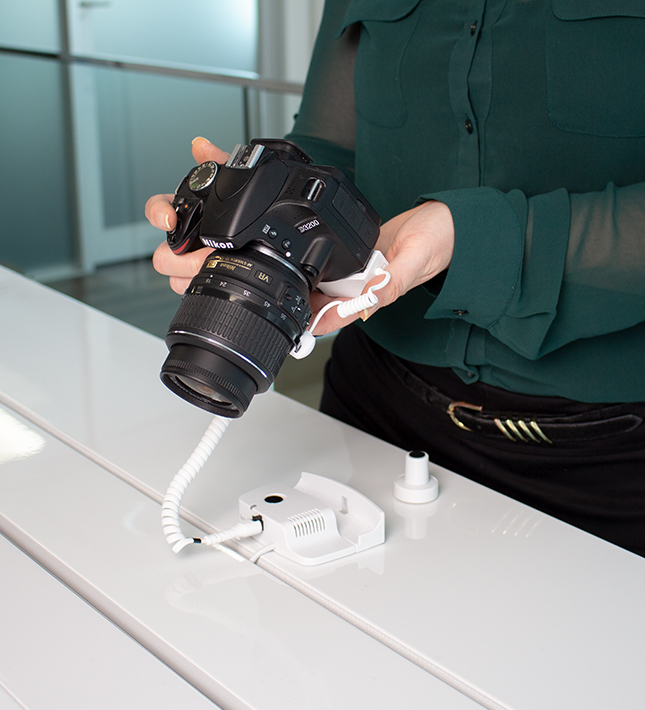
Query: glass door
{"x": 133, "y": 126}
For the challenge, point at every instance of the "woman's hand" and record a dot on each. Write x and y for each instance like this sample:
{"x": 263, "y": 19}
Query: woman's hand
{"x": 160, "y": 213}
{"x": 418, "y": 245}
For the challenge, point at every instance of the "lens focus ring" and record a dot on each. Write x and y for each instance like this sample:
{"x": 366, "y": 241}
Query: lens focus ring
{"x": 247, "y": 333}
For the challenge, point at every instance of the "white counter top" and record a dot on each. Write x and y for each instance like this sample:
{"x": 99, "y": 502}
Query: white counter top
{"x": 233, "y": 631}
{"x": 59, "y": 653}
{"x": 512, "y": 607}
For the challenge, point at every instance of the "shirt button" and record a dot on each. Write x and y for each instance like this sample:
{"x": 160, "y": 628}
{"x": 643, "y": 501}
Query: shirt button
{"x": 473, "y": 28}
{"x": 459, "y": 312}
{"x": 469, "y": 126}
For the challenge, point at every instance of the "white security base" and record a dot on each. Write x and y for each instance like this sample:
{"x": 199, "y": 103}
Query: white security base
{"x": 316, "y": 521}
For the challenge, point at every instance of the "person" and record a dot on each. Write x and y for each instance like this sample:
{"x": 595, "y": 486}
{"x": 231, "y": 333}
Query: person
{"x": 503, "y": 144}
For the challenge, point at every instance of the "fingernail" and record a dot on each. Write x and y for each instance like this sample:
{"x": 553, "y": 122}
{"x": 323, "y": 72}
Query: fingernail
{"x": 168, "y": 227}
{"x": 200, "y": 138}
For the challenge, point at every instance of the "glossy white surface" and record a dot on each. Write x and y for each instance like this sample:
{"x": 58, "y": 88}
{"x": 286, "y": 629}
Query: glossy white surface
{"x": 7, "y": 702}
{"x": 233, "y": 631}
{"x": 58, "y": 653}
{"x": 517, "y": 609}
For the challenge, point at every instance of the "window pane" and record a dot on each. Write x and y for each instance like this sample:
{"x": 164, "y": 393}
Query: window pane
{"x": 36, "y": 229}
{"x": 29, "y": 24}
{"x": 146, "y": 124}
{"x": 208, "y": 33}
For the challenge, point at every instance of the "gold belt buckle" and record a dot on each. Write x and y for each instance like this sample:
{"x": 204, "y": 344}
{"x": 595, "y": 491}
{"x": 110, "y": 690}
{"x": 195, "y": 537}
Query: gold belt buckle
{"x": 464, "y": 405}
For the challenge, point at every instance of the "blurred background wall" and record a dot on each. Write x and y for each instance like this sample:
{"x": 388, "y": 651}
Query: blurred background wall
{"x": 99, "y": 101}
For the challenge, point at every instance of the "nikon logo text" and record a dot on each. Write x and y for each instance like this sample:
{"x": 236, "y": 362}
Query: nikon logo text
{"x": 218, "y": 245}
{"x": 310, "y": 225}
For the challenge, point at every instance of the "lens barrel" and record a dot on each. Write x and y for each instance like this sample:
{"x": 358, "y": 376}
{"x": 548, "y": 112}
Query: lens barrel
{"x": 239, "y": 319}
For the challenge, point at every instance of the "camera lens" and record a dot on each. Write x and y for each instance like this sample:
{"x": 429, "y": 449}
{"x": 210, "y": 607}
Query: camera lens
{"x": 239, "y": 319}
{"x": 207, "y": 380}
{"x": 199, "y": 388}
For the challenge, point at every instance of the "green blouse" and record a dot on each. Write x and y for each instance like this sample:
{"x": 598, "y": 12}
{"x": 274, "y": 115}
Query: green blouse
{"x": 527, "y": 118}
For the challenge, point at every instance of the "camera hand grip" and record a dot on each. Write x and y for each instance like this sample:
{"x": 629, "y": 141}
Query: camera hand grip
{"x": 185, "y": 236}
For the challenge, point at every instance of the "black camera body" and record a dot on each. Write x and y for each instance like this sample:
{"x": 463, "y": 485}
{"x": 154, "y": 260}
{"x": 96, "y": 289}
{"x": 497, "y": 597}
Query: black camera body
{"x": 278, "y": 226}
{"x": 269, "y": 192}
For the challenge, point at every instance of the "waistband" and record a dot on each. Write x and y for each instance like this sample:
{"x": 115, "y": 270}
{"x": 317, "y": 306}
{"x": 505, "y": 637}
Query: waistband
{"x": 533, "y": 424}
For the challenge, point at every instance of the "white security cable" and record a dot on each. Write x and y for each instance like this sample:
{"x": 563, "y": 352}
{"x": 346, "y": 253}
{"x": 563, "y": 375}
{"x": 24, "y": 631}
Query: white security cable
{"x": 355, "y": 305}
{"x": 175, "y": 493}
{"x": 186, "y": 474}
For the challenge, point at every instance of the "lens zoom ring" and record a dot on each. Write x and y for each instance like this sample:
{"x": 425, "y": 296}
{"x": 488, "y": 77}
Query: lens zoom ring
{"x": 245, "y": 331}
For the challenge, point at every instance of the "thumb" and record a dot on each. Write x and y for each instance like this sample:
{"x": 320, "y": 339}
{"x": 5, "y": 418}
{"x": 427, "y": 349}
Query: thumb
{"x": 204, "y": 150}
{"x": 393, "y": 288}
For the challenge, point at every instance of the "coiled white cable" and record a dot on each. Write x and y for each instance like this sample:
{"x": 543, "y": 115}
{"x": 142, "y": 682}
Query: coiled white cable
{"x": 186, "y": 474}
{"x": 175, "y": 493}
{"x": 355, "y": 305}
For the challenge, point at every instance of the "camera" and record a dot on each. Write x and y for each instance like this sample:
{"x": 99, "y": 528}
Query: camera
{"x": 279, "y": 226}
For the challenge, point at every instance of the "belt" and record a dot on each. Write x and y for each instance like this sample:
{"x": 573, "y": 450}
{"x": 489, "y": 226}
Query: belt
{"x": 600, "y": 422}
{"x": 588, "y": 426}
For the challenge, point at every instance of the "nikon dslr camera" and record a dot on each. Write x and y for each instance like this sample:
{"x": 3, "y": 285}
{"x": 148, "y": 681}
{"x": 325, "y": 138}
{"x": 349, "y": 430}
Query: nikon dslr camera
{"x": 278, "y": 226}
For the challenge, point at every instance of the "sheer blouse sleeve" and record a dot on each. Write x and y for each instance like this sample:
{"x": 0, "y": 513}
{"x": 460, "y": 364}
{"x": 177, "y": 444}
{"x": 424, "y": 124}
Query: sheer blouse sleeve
{"x": 326, "y": 123}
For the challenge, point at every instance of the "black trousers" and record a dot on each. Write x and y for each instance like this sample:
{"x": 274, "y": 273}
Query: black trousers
{"x": 597, "y": 485}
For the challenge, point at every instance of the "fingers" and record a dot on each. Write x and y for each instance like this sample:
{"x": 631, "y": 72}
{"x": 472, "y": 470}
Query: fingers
{"x": 180, "y": 268}
{"x": 160, "y": 212}
{"x": 184, "y": 265}
{"x": 330, "y": 320}
{"x": 204, "y": 150}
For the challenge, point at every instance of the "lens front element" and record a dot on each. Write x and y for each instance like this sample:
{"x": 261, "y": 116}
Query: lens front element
{"x": 207, "y": 380}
